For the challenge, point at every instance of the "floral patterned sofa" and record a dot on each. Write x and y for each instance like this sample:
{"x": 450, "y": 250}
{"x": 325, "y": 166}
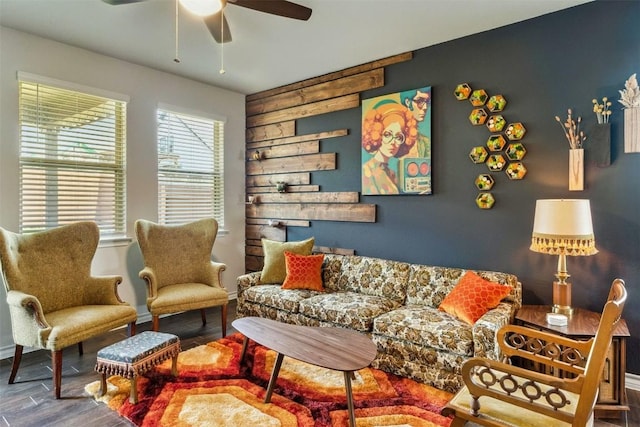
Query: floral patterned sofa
{"x": 396, "y": 304}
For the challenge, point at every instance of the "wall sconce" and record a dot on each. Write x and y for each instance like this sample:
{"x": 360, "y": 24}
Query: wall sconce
{"x": 281, "y": 186}
{"x": 251, "y": 199}
{"x": 257, "y": 155}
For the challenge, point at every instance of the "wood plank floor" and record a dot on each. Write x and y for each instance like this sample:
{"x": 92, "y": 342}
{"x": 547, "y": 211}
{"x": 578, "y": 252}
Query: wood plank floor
{"x": 30, "y": 401}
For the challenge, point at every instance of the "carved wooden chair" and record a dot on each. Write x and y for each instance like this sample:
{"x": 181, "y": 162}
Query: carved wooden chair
{"x": 500, "y": 394}
{"x": 54, "y": 302}
{"x": 178, "y": 270}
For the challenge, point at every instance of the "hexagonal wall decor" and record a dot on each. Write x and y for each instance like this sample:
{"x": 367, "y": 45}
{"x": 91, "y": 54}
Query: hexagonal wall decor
{"x": 485, "y": 200}
{"x": 515, "y": 151}
{"x": 516, "y": 170}
{"x": 496, "y": 142}
{"x": 478, "y": 116}
{"x": 496, "y": 162}
{"x": 462, "y": 91}
{"x": 515, "y": 131}
{"x": 496, "y": 123}
{"x": 484, "y": 181}
{"x": 496, "y": 103}
{"x": 478, "y": 154}
{"x": 478, "y": 97}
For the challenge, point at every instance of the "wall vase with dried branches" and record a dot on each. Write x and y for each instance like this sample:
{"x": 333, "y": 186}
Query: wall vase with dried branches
{"x": 576, "y": 139}
{"x": 630, "y": 99}
{"x": 576, "y": 169}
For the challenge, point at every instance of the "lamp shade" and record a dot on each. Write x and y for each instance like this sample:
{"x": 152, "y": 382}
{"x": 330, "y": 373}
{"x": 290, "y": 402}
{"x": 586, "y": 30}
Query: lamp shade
{"x": 563, "y": 226}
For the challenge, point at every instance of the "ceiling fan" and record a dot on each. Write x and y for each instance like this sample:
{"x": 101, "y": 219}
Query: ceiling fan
{"x": 216, "y": 21}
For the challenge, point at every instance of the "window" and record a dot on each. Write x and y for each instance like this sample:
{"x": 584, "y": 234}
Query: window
{"x": 72, "y": 157}
{"x": 190, "y": 168}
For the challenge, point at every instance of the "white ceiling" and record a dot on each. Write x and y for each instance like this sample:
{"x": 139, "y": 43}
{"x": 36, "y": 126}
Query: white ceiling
{"x": 267, "y": 51}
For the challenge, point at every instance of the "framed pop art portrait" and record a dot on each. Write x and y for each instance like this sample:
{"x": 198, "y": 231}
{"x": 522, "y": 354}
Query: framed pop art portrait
{"x": 396, "y": 143}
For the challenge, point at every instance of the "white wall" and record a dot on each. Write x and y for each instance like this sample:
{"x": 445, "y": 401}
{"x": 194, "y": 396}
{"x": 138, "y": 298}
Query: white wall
{"x": 146, "y": 88}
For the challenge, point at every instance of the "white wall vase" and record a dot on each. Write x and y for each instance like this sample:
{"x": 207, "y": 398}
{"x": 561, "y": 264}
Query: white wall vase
{"x": 632, "y": 130}
{"x": 576, "y": 169}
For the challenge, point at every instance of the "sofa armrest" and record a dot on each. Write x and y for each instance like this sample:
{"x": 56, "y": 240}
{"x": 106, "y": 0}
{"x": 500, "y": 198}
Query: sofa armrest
{"x": 485, "y": 330}
{"x": 248, "y": 280}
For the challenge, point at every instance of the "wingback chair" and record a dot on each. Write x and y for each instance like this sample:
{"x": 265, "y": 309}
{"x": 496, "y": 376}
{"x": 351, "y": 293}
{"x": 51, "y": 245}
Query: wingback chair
{"x": 54, "y": 302}
{"x": 178, "y": 269}
{"x": 499, "y": 394}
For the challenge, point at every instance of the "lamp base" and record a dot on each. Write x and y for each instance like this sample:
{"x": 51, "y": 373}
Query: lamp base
{"x": 559, "y": 309}
{"x": 562, "y": 298}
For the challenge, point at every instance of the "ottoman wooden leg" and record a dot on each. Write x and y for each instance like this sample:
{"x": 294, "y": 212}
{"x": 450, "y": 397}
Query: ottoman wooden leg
{"x": 133, "y": 395}
{"x": 103, "y": 385}
{"x": 174, "y": 366}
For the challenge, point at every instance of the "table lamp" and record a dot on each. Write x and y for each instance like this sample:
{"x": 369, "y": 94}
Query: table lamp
{"x": 563, "y": 227}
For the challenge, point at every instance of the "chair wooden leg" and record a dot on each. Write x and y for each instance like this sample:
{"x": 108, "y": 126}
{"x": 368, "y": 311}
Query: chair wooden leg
{"x": 131, "y": 329}
{"x": 203, "y": 315}
{"x": 156, "y": 323}
{"x": 223, "y": 316}
{"x": 80, "y": 349}
{"x": 17, "y": 357}
{"x": 56, "y": 357}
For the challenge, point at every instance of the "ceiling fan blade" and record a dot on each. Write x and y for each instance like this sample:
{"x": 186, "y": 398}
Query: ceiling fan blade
{"x": 216, "y": 23}
{"x": 276, "y": 7}
{"x": 118, "y": 2}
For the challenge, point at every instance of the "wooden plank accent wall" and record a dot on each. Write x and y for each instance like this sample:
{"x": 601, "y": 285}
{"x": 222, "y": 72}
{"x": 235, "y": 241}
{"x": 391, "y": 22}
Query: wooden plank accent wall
{"x": 274, "y": 153}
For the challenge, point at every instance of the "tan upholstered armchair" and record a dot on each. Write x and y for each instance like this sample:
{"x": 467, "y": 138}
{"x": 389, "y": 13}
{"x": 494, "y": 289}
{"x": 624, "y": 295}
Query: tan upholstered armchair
{"x": 499, "y": 394}
{"x": 178, "y": 269}
{"x": 54, "y": 302}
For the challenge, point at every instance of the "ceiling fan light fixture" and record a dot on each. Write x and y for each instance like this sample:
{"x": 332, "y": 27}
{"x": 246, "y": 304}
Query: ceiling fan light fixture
{"x": 202, "y": 7}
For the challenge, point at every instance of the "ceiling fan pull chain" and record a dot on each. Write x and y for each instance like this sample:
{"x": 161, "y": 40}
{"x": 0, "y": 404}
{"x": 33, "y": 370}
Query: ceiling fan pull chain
{"x": 222, "y": 44}
{"x": 177, "y": 59}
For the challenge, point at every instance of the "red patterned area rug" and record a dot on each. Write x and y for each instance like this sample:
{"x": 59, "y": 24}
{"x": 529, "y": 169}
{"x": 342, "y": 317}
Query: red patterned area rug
{"x": 212, "y": 389}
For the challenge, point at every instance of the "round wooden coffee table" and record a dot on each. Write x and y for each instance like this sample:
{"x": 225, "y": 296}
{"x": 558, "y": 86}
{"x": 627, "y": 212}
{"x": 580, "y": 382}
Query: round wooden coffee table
{"x": 332, "y": 348}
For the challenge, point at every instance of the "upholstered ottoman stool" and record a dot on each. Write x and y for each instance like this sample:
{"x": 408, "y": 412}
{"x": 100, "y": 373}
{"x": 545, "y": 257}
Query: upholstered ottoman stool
{"x": 136, "y": 355}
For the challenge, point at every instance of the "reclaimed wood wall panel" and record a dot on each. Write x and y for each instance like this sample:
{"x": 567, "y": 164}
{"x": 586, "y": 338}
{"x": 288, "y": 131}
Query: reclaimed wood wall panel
{"x": 274, "y": 153}
{"x": 299, "y": 138}
{"x": 324, "y": 197}
{"x": 305, "y": 110}
{"x": 271, "y": 180}
{"x": 312, "y": 162}
{"x": 352, "y": 212}
{"x": 333, "y": 89}
{"x": 271, "y": 131}
{"x": 286, "y": 150}
{"x": 395, "y": 59}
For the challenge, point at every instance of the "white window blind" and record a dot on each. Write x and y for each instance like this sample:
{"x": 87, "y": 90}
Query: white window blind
{"x": 72, "y": 159}
{"x": 190, "y": 168}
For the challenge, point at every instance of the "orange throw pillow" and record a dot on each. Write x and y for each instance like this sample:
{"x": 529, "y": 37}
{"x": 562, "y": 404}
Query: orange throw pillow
{"x": 303, "y": 271}
{"x": 472, "y": 297}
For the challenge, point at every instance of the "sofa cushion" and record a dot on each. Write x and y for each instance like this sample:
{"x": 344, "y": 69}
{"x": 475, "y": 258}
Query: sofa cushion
{"x": 303, "y": 271}
{"x": 429, "y": 285}
{"x": 348, "y": 309}
{"x": 472, "y": 297}
{"x": 274, "y": 269}
{"x": 426, "y": 326}
{"x": 367, "y": 276}
{"x": 276, "y": 297}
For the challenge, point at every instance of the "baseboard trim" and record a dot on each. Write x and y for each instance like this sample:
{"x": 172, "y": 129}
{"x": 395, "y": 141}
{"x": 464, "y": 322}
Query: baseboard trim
{"x": 632, "y": 381}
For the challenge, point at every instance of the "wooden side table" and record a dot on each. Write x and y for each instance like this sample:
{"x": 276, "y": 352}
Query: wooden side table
{"x": 582, "y": 325}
